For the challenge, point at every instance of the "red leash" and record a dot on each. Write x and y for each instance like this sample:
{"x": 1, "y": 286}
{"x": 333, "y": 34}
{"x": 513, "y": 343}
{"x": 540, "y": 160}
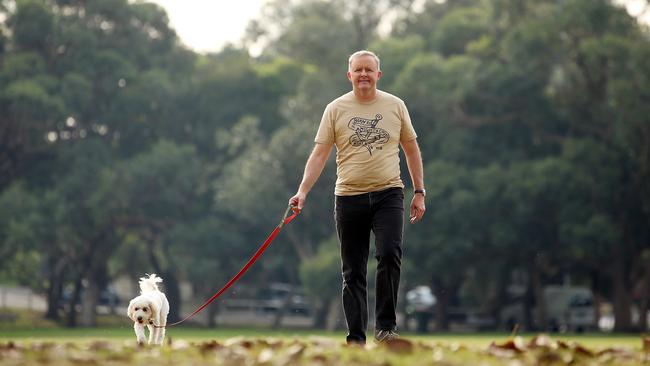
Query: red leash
{"x": 254, "y": 258}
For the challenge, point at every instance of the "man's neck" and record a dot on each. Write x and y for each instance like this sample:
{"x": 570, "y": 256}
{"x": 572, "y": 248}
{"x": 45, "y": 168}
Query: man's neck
{"x": 365, "y": 95}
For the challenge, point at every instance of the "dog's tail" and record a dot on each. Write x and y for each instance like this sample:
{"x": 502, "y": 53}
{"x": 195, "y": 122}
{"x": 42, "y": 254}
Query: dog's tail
{"x": 149, "y": 283}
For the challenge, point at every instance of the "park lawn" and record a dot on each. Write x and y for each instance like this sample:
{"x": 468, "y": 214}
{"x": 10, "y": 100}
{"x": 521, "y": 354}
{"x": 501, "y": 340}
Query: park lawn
{"x": 188, "y": 346}
{"x": 193, "y": 334}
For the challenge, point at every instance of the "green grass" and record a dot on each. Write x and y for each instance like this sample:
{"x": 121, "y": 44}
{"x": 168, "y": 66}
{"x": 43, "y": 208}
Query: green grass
{"x": 187, "y": 346}
{"x": 476, "y": 340}
{"x": 30, "y": 326}
{"x": 126, "y": 332}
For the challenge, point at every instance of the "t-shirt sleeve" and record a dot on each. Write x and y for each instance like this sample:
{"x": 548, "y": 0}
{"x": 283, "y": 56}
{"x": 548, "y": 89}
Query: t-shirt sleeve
{"x": 325, "y": 134}
{"x": 407, "y": 131}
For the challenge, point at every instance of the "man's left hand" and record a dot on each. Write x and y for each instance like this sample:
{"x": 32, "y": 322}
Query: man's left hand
{"x": 417, "y": 208}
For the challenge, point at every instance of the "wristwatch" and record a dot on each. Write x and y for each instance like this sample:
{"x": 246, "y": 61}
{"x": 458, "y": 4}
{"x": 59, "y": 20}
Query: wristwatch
{"x": 422, "y": 191}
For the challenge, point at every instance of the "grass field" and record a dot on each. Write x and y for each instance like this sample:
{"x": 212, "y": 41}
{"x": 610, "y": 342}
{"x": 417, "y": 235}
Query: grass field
{"x": 595, "y": 340}
{"x": 193, "y": 346}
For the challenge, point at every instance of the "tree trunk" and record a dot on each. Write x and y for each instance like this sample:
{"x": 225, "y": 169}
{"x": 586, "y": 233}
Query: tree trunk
{"x": 302, "y": 247}
{"x": 173, "y": 293}
{"x": 89, "y": 305}
{"x": 643, "y": 316}
{"x": 321, "y": 311}
{"x": 55, "y": 290}
{"x": 501, "y": 298}
{"x": 644, "y": 305}
{"x": 282, "y": 311}
{"x": 334, "y": 314}
{"x": 443, "y": 297}
{"x": 598, "y": 297}
{"x": 622, "y": 301}
{"x": 71, "y": 320}
{"x": 621, "y": 286}
{"x": 97, "y": 280}
{"x": 53, "y": 299}
{"x": 536, "y": 298}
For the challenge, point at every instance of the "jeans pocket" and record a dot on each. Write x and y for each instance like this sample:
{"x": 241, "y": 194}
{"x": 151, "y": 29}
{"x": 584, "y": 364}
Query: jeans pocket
{"x": 350, "y": 208}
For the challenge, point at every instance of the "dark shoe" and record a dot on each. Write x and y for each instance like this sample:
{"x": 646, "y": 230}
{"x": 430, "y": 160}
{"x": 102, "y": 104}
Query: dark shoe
{"x": 355, "y": 340}
{"x": 356, "y": 343}
{"x": 385, "y": 335}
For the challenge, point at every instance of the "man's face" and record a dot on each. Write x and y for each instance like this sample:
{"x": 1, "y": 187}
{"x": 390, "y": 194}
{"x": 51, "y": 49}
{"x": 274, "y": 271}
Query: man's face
{"x": 363, "y": 73}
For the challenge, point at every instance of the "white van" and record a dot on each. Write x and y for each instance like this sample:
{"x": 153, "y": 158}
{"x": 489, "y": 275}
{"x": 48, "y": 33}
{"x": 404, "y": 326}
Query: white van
{"x": 568, "y": 308}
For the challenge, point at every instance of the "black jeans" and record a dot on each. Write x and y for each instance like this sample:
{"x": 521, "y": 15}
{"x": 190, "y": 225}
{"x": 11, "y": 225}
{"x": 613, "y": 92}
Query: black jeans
{"x": 383, "y": 213}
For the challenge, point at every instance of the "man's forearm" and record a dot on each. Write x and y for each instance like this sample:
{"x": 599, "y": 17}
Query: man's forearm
{"x": 314, "y": 167}
{"x": 414, "y": 163}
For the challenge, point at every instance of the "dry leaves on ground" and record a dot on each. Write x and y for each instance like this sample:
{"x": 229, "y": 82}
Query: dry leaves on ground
{"x": 541, "y": 350}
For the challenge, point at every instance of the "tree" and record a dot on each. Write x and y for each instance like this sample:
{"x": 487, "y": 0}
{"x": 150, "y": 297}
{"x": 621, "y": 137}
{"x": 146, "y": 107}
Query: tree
{"x": 151, "y": 193}
{"x": 321, "y": 277}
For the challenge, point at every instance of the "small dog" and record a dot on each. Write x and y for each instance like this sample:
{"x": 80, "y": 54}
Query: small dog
{"x": 150, "y": 309}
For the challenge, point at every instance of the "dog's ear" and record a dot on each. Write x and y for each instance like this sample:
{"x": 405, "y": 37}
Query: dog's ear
{"x": 153, "y": 305}
{"x": 130, "y": 310}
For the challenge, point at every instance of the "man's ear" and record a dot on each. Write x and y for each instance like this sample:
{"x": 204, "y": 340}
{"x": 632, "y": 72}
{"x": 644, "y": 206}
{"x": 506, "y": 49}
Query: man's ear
{"x": 379, "y": 75}
{"x": 349, "y": 75}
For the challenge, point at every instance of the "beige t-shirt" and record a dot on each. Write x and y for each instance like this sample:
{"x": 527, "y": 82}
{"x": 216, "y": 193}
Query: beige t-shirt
{"x": 367, "y": 138}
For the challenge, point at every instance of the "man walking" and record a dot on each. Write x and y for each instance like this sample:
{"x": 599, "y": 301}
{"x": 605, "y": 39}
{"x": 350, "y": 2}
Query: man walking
{"x": 367, "y": 126}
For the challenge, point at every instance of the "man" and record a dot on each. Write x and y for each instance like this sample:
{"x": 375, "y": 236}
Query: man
{"x": 367, "y": 126}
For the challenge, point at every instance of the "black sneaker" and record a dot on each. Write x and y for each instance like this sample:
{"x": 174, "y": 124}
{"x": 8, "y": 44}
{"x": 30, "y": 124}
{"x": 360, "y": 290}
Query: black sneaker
{"x": 385, "y": 335}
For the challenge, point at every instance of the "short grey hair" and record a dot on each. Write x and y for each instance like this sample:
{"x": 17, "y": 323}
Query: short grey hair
{"x": 364, "y": 53}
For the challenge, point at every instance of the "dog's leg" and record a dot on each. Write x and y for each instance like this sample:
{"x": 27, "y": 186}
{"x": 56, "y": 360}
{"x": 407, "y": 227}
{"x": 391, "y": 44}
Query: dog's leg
{"x": 161, "y": 331}
{"x": 152, "y": 334}
{"x": 157, "y": 335}
{"x": 161, "y": 335}
{"x": 139, "y": 333}
{"x": 162, "y": 320}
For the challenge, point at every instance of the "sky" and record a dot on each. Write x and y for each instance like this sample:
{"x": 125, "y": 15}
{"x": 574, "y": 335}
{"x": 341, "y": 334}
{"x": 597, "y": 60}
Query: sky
{"x": 208, "y": 25}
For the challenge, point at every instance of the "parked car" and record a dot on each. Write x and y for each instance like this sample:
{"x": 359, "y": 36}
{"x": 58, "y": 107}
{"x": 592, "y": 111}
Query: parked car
{"x": 107, "y": 297}
{"x": 420, "y": 307}
{"x": 274, "y": 296}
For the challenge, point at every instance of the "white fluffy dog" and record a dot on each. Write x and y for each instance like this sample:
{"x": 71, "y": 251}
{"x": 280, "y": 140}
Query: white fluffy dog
{"x": 149, "y": 309}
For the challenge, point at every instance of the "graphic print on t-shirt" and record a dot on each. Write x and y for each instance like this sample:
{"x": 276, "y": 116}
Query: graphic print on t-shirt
{"x": 367, "y": 134}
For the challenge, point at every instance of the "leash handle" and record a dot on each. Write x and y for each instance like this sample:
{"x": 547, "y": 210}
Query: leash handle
{"x": 286, "y": 213}
{"x": 285, "y": 220}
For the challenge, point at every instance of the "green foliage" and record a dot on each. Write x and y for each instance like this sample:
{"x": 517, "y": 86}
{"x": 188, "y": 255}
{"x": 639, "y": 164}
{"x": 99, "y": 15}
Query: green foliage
{"x": 32, "y": 23}
{"x": 321, "y": 274}
{"x": 457, "y": 29}
{"x": 21, "y": 232}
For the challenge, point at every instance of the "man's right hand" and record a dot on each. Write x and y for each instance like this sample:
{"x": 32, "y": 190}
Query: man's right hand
{"x": 313, "y": 168}
{"x": 298, "y": 200}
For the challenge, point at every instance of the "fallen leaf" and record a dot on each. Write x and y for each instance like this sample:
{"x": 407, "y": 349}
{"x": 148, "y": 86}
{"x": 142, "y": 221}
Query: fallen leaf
{"x": 542, "y": 341}
{"x": 581, "y": 350}
{"x": 295, "y": 351}
{"x": 8, "y": 345}
{"x": 239, "y": 341}
{"x": 515, "y": 344}
{"x": 266, "y": 356}
{"x": 206, "y": 346}
{"x": 101, "y": 346}
{"x": 399, "y": 345}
